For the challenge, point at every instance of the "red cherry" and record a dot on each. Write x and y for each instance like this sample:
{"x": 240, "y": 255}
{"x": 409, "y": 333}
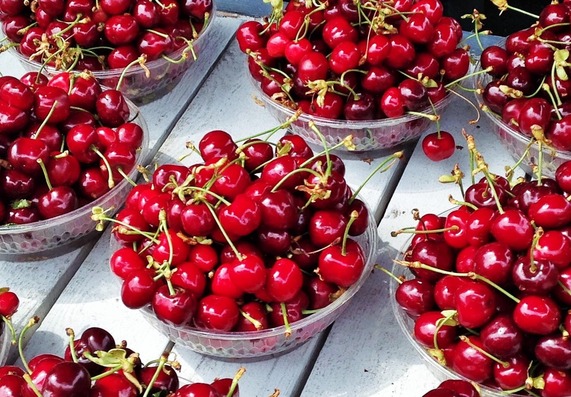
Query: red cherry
{"x": 438, "y": 146}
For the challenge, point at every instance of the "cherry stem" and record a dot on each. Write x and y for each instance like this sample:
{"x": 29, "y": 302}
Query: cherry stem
{"x": 110, "y": 181}
{"x": 163, "y": 226}
{"x": 292, "y": 173}
{"x": 255, "y": 323}
{"x": 141, "y": 61}
{"x": 211, "y": 193}
{"x": 382, "y": 167}
{"x": 32, "y": 385}
{"x": 98, "y": 215}
{"x": 45, "y": 172}
{"x": 11, "y": 329}
{"x": 389, "y": 273}
{"x": 441, "y": 322}
{"x": 72, "y": 350}
{"x": 235, "y": 380}
{"x": 228, "y": 240}
{"x": 413, "y": 230}
{"x": 452, "y": 200}
{"x": 286, "y": 320}
{"x": 162, "y": 361}
{"x": 45, "y": 121}
{"x": 467, "y": 340}
{"x": 474, "y": 121}
{"x": 33, "y": 321}
{"x": 471, "y": 275}
{"x": 352, "y": 218}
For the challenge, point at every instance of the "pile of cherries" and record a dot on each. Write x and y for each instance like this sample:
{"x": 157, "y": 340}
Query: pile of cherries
{"x": 491, "y": 295}
{"x": 64, "y": 142}
{"x": 356, "y": 60}
{"x": 94, "y": 365}
{"x": 453, "y": 388}
{"x": 99, "y": 35}
{"x": 529, "y": 86}
{"x": 251, "y": 236}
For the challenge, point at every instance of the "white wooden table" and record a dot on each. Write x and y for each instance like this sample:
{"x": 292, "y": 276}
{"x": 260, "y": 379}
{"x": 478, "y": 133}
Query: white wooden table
{"x": 363, "y": 354}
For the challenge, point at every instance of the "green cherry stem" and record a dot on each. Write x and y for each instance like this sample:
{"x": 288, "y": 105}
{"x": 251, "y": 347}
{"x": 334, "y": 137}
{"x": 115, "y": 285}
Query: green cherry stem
{"x": 384, "y": 166}
{"x": 33, "y": 321}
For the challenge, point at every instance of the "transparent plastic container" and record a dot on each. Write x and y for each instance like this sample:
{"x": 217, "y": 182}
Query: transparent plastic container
{"x": 56, "y": 236}
{"x": 368, "y": 135}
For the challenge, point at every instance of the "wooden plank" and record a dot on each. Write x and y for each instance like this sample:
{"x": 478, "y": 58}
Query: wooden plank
{"x": 91, "y": 298}
{"x": 227, "y": 102}
{"x": 366, "y": 345}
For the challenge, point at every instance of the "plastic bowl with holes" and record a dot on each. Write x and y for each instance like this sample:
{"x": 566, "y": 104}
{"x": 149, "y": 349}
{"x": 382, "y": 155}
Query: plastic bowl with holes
{"x": 406, "y": 324}
{"x": 274, "y": 341}
{"x": 58, "y": 235}
{"x": 163, "y": 75}
{"x": 367, "y": 135}
{"x": 518, "y": 145}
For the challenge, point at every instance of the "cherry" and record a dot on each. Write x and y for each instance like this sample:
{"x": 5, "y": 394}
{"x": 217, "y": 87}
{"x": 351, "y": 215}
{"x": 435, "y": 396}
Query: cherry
{"x": 167, "y": 380}
{"x": 438, "y": 146}
{"x": 425, "y": 328}
{"x": 9, "y": 303}
{"x": 341, "y": 265}
{"x": 217, "y": 312}
{"x": 176, "y": 307}
{"x": 537, "y": 315}
{"x": 554, "y": 351}
{"x": 138, "y": 288}
{"x": 284, "y": 280}
{"x": 514, "y": 375}
{"x": 197, "y": 390}
{"x": 112, "y": 108}
{"x": 67, "y": 379}
{"x": 415, "y": 296}
{"x": 557, "y": 383}
{"x": 501, "y": 337}
{"x": 113, "y": 383}
{"x": 470, "y": 362}
{"x": 475, "y": 304}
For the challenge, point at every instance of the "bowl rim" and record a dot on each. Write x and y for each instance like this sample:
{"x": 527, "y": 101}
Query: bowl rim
{"x": 135, "y": 69}
{"x": 351, "y": 124}
{"x": 86, "y": 209}
{"x": 401, "y": 317}
{"x": 371, "y": 234}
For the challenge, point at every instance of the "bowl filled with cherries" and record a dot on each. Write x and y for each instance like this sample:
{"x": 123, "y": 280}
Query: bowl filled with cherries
{"x": 483, "y": 290}
{"x": 378, "y": 72}
{"x": 95, "y": 364}
{"x": 143, "y": 47}
{"x": 248, "y": 252}
{"x": 526, "y": 92}
{"x": 66, "y": 144}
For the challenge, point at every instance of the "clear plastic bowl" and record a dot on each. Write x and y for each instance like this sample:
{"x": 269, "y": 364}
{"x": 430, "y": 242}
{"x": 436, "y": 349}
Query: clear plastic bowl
{"x": 368, "y": 135}
{"x": 265, "y": 343}
{"x": 406, "y": 324}
{"x": 518, "y": 145}
{"x": 5, "y": 342}
{"x": 139, "y": 88}
{"x": 56, "y": 236}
